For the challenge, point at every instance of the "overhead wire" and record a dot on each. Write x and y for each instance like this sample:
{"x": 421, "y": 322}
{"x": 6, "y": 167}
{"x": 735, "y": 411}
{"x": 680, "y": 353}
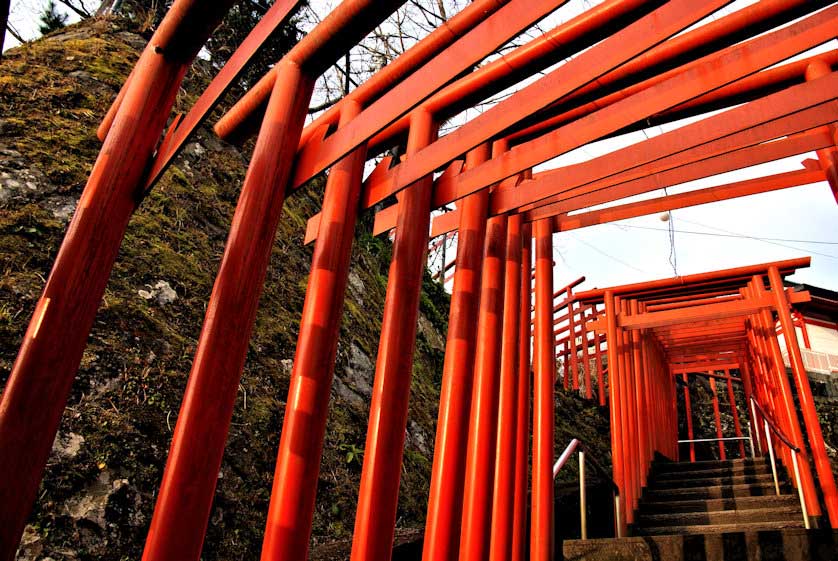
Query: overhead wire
{"x": 608, "y": 255}
{"x": 731, "y": 232}
{"x": 772, "y": 241}
{"x": 670, "y": 225}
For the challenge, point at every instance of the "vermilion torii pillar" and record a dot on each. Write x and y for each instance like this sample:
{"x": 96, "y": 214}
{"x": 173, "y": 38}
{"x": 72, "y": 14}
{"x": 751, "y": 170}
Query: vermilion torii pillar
{"x": 779, "y": 392}
{"x": 599, "y": 369}
{"x": 734, "y": 412}
{"x": 688, "y": 414}
{"x": 586, "y": 359}
{"x": 291, "y": 510}
{"x": 503, "y": 497}
{"x": 718, "y": 419}
{"x": 482, "y": 438}
{"x": 186, "y": 492}
{"x": 375, "y": 519}
{"x": 748, "y": 391}
{"x": 445, "y": 501}
{"x": 614, "y": 398}
{"x": 629, "y": 412}
{"x": 807, "y": 404}
{"x": 637, "y": 397}
{"x": 522, "y": 439}
{"x": 571, "y": 342}
{"x": 544, "y": 371}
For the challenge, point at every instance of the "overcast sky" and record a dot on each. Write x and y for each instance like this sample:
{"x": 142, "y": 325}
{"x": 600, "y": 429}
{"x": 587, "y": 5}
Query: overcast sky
{"x": 780, "y": 225}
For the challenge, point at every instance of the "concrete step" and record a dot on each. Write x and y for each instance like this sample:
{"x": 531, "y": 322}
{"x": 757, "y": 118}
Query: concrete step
{"x": 715, "y": 517}
{"x": 659, "y": 484}
{"x": 715, "y": 492}
{"x": 773, "y": 545}
{"x": 669, "y": 467}
{"x": 720, "y": 528}
{"x": 710, "y": 505}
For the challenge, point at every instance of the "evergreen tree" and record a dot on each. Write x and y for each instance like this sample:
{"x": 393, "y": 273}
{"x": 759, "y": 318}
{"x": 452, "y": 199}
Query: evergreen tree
{"x": 51, "y": 19}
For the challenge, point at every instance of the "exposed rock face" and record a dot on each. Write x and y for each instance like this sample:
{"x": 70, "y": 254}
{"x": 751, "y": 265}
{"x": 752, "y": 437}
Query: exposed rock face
{"x": 359, "y": 372}
{"x": 67, "y": 445}
{"x": 18, "y": 180}
{"x": 22, "y": 182}
{"x": 162, "y": 293}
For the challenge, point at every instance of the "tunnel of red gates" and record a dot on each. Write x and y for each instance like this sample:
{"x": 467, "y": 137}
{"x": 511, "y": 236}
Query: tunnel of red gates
{"x": 641, "y": 355}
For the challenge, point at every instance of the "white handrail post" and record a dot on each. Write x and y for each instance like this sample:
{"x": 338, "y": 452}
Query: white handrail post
{"x": 754, "y": 417}
{"x": 800, "y": 489}
{"x": 583, "y": 503}
{"x": 771, "y": 454}
{"x": 618, "y": 519}
{"x": 751, "y": 440}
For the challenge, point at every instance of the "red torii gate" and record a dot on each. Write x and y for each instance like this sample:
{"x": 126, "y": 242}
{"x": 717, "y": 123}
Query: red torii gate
{"x": 631, "y": 69}
{"x": 702, "y": 324}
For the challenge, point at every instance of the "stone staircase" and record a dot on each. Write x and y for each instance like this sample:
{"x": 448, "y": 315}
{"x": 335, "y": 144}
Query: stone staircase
{"x": 713, "y": 511}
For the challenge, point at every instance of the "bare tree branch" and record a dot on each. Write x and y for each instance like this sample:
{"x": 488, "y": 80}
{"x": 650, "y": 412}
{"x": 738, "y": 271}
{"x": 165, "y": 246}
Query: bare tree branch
{"x": 80, "y": 10}
{"x": 13, "y": 32}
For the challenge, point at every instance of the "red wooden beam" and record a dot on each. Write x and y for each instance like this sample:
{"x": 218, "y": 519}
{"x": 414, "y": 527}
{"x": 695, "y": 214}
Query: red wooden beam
{"x": 781, "y": 114}
{"x": 588, "y": 66}
{"x": 468, "y": 50}
{"x": 713, "y": 35}
{"x": 181, "y": 130}
{"x": 714, "y": 71}
{"x": 450, "y": 187}
{"x": 786, "y": 267}
{"x": 703, "y": 313}
{"x": 566, "y": 222}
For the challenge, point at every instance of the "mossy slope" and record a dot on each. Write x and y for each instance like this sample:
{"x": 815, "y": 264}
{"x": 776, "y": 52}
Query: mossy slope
{"x": 98, "y": 493}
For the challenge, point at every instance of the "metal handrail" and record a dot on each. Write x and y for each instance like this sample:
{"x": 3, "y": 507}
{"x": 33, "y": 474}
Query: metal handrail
{"x": 769, "y": 426}
{"x": 713, "y": 439}
{"x": 774, "y": 426}
{"x": 583, "y": 503}
{"x": 749, "y": 438}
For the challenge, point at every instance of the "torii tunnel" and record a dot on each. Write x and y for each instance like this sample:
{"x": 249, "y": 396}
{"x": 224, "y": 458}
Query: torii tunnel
{"x": 628, "y": 64}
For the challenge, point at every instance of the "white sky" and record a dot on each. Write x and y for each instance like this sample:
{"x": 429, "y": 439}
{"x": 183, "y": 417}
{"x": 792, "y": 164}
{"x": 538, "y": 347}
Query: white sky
{"x": 639, "y": 249}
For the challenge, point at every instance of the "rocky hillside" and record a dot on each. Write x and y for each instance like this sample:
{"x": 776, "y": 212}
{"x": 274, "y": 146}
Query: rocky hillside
{"x": 98, "y": 493}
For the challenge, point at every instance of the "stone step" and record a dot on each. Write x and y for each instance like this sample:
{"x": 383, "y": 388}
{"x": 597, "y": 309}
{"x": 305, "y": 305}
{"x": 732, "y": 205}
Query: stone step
{"x": 721, "y": 528}
{"x": 715, "y": 492}
{"x": 715, "y": 517}
{"x": 710, "y": 505}
{"x": 787, "y": 544}
{"x": 715, "y": 472}
{"x": 669, "y": 467}
{"x": 659, "y": 484}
